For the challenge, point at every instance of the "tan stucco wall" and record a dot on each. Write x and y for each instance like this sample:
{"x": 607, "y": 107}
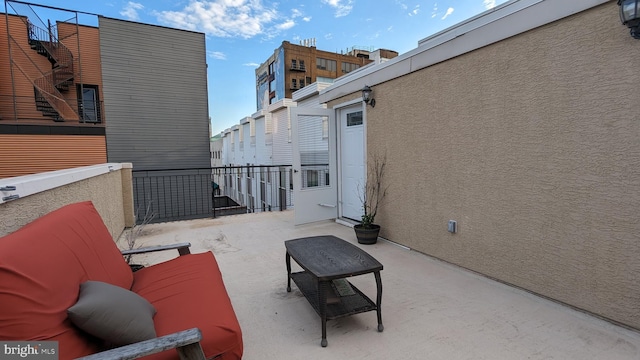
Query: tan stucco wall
{"x": 127, "y": 195}
{"x": 105, "y": 191}
{"x": 533, "y": 146}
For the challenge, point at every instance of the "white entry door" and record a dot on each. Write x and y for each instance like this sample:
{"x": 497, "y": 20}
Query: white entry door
{"x": 313, "y": 133}
{"x": 352, "y": 161}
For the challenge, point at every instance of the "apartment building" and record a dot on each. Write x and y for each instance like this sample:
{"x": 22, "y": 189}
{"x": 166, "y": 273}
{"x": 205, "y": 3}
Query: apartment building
{"x": 257, "y": 154}
{"x": 262, "y": 142}
{"x": 81, "y": 95}
{"x": 292, "y": 67}
{"x": 51, "y": 108}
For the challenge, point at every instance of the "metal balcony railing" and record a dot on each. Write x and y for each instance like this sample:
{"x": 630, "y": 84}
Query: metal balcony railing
{"x": 181, "y": 194}
{"x": 30, "y": 109}
{"x": 297, "y": 67}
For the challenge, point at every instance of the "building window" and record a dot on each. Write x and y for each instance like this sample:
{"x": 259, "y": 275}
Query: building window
{"x": 301, "y": 83}
{"x": 308, "y": 80}
{"x": 325, "y": 127}
{"x": 311, "y": 178}
{"x": 272, "y": 68}
{"x": 326, "y": 64}
{"x": 297, "y": 65}
{"x": 89, "y": 103}
{"x": 315, "y": 178}
{"x": 294, "y": 84}
{"x": 354, "y": 118}
{"x": 349, "y": 67}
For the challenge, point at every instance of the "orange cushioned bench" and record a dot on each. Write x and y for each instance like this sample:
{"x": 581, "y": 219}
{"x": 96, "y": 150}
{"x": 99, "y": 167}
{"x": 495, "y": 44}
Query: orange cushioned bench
{"x": 53, "y": 269}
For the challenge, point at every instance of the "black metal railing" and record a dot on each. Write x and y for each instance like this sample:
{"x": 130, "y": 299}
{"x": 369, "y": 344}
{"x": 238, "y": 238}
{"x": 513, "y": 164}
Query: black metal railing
{"x": 181, "y": 194}
{"x": 26, "y": 109}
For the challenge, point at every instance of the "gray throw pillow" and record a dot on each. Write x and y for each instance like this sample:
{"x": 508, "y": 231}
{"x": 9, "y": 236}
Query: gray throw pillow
{"x": 113, "y": 314}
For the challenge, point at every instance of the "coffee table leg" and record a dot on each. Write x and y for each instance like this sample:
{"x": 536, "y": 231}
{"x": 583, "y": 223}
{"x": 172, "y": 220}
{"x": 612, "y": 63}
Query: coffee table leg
{"x": 322, "y": 302}
{"x": 288, "y": 261}
{"x": 379, "y": 301}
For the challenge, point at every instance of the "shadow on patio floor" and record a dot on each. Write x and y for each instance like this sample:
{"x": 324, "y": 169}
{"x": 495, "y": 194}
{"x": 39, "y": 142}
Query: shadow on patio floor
{"x": 430, "y": 309}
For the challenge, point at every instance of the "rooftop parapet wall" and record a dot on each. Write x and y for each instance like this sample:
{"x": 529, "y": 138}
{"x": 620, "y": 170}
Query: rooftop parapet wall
{"x": 108, "y": 186}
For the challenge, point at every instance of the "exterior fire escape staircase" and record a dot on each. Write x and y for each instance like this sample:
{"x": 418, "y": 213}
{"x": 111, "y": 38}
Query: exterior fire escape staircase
{"x": 49, "y": 86}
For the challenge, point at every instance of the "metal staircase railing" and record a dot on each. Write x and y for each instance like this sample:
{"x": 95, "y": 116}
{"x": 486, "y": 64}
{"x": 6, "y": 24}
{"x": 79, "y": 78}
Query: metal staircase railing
{"x": 45, "y": 89}
{"x": 46, "y": 43}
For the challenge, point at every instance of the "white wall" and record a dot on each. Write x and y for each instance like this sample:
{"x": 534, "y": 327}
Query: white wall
{"x": 263, "y": 151}
{"x": 282, "y": 149}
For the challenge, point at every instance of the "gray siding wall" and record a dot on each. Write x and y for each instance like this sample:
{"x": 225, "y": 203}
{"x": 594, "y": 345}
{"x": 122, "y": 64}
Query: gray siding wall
{"x": 155, "y": 95}
{"x": 157, "y": 116}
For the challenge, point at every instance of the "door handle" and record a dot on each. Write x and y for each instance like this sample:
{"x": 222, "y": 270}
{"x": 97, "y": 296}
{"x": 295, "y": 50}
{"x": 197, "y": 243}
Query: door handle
{"x": 327, "y": 205}
{"x": 295, "y": 170}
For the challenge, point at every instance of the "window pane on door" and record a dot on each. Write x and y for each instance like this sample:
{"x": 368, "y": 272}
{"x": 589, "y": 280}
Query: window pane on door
{"x": 354, "y": 118}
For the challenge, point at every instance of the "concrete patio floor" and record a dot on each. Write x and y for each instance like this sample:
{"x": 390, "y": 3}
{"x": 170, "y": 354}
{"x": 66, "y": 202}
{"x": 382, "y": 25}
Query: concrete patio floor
{"x": 430, "y": 309}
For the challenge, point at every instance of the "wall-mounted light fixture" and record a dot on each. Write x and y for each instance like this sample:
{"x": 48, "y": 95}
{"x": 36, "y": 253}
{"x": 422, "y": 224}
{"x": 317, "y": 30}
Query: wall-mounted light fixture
{"x": 630, "y": 16}
{"x": 366, "y": 96}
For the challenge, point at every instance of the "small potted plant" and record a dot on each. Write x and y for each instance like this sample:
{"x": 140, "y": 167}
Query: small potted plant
{"x": 371, "y": 196}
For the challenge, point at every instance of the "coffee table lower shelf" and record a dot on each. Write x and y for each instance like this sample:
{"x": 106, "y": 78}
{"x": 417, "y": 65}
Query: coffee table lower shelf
{"x": 343, "y": 306}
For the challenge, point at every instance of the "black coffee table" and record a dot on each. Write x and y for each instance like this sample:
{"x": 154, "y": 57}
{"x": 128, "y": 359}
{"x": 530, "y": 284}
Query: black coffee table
{"x": 326, "y": 261}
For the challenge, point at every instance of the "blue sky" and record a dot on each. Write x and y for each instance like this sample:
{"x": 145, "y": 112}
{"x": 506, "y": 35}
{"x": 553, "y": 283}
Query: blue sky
{"x": 241, "y": 34}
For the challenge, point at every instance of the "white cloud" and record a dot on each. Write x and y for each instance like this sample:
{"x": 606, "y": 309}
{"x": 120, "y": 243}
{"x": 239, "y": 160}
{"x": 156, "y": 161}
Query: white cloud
{"x": 217, "y": 55}
{"x": 296, "y": 13}
{"x": 328, "y": 36}
{"x": 130, "y": 11}
{"x": 286, "y": 25}
{"x": 415, "y": 11}
{"x": 434, "y": 13}
{"x": 342, "y": 7}
{"x": 449, "y": 12}
{"x": 403, "y": 6}
{"x": 489, "y": 4}
{"x": 289, "y": 23}
{"x": 223, "y": 18}
{"x": 255, "y": 65}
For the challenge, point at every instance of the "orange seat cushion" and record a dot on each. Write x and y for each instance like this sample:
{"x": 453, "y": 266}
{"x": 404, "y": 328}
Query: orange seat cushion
{"x": 189, "y": 292}
{"x": 41, "y": 268}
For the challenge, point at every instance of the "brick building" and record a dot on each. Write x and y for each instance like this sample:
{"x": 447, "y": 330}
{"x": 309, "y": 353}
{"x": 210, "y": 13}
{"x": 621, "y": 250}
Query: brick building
{"x": 292, "y": 67}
